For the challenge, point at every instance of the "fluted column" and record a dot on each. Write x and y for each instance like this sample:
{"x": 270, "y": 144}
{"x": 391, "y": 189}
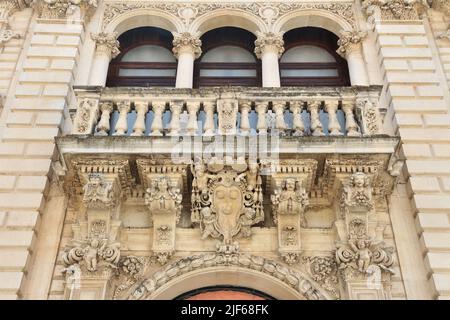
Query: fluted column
{"x": 269, "y": 47}
{"x": 187, "y": 48}
{"x": 107, "y": 48}
{"x": 316, "y": 125}
{"x": 296, "y": 108}
{"x": 333, "y": 123}
{"x": 245, "y": 107}
{"x": 103, "y": 126}
{"x": 157, "y": 124}
{"x": 350, "y": 48}
{"x": 261, "y": 109}
{"x": 141, "y": 110}
{"x": 208, "y": 107}
{"x": 192, "y": 125}
{"x": 174, "y": 127}
{"x": 122, "y": 124}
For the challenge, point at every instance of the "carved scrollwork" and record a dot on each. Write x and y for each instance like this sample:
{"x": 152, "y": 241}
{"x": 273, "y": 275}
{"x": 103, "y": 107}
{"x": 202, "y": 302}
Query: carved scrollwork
{"x": 92, "y": 253}
{"x": 395, "y": 9}
{"x": 162, "y": 198}
{"x": 355, "y": 257}
{"x": 60, "y": 9}
{"x": 357, "y": 194}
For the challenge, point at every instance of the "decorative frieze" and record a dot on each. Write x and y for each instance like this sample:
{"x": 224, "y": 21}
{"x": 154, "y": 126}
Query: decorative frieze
{"x": 268, "y": 12}
{"x": 98, "y": 193}
{"x": 323, "y": 270}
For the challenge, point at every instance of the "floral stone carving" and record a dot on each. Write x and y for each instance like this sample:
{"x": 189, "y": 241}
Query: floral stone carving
{"x": 226, "y": 202}
{"x": 291, "y": 277}
{"x": 99, "y": 193}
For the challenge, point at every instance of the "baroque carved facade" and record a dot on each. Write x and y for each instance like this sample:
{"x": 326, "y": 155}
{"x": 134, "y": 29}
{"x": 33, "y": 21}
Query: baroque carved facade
{"x": 299, "y": 192}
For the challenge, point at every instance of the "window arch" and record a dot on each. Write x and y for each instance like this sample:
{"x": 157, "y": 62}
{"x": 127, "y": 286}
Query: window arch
{"x": 228, "y": 59}
{"x": 145, "y": 60}
{"x": 310, "y": 59}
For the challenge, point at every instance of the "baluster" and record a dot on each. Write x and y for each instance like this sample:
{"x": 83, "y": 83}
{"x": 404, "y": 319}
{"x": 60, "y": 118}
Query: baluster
{"x": 297, "y": 124}
{"x": 261, "y": 109}
{"x": 278, "y": 107}
{"x": 245, "y": 108}
{"x": 139, "y": 126}
{"x": 333, "y": 124}
{"x": 192, "y": 125}
{"x": 316, "y": 125}
{"x": 158, "y": 108}
{"x": 103, "y": 126}
{"x": 175, "y": 109}
{"x": 350, "y": 124}
{"x": 122, "y": 123}
{"x": 208, "y": 107}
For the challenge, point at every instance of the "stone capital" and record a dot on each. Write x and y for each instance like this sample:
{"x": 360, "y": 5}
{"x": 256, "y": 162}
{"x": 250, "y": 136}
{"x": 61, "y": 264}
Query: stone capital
{"x": 9, "y": 7}
{"x": 65, "y": 9}
{"x": 186, "y": 42}
{"x": 395, "y": 9}
{"x": 350, "y": 41}
{"x": 106, "y": 43}
{"x": 269, "y": 42}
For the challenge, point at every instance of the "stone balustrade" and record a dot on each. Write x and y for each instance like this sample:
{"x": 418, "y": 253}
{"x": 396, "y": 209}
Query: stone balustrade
{"x": 293, "y": 112}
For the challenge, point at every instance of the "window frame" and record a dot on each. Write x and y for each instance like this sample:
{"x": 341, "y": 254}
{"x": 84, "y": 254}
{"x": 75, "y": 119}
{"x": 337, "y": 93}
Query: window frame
{"x": 340, "y": 65}
{"x": 218, "y": 41}
{"x": 114, "y": 80}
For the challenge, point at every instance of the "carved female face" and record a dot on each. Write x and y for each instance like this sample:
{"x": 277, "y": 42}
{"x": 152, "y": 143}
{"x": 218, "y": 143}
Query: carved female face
{"x": 227, "y": 200}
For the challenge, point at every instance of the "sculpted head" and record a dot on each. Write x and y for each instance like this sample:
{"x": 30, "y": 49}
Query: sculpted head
{"x": 290, "y": 184}
{"x": 359, "y": 179}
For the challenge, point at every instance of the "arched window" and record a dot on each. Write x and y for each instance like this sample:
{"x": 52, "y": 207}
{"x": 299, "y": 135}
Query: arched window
{"x": 145, "y": 60}
{"x": 228, "y": 59}
{"x": 310, "y": 59}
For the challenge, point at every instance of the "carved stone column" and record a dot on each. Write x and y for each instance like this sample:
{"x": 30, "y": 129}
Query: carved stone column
{"x": 288, "y": 206}
{"x": 124, "y": 108}
{"x": 103, "y": 127}
{"x": 163, "y": 198}
{"x": 363, "y": 259}
{"x": 94, "y": 252}
{"x": 245, "y": 108}
{"x": 141, "y": 110}
{"x": 157, "y": 125}
{"x": 269, "y": 47}
{"x": 187, "y": 48}
{"x": 334, "y": 128}
{"x": 296, "y": 108}
{"x": 107, "y": 48}
{"x": 261, "y": 109}
{"x": 350, "y": 48}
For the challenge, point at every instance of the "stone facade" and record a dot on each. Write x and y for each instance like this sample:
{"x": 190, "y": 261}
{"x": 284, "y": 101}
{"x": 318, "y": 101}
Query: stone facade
{"x": 321, "y": 210}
